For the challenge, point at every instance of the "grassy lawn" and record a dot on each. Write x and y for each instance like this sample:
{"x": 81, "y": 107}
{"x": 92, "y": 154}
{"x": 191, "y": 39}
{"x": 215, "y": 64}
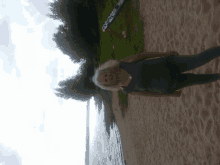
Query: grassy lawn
{"x": 126, "y": 20}
{"x": 132, "y": 44}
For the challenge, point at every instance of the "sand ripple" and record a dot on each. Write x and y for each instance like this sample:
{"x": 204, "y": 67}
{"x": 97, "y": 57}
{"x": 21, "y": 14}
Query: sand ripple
{"x": 176, "y": 131}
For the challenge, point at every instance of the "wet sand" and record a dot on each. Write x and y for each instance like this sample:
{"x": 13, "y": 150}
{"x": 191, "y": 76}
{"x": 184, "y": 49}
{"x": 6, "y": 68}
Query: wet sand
{"x": 171, "y": 130}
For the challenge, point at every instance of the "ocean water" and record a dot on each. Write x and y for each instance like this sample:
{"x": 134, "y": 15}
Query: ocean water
{"x": 115, "y": 147}
{"x": 104, "y": 150}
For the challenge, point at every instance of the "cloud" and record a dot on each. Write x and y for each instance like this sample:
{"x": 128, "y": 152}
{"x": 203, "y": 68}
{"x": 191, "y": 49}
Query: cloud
{"x": 38, "y": 6}
{"x": 8, "y": 156}
{"x": 14, "y": 11}
{"x": 31, "y": 10}
{"x": 43, "y": 115}
{"x": 7, "y": 48}
{"x": 47, "y": 31}
{"x": 52, "y": 71}
{"x": 38, "y": 9}
{"x": 60, "y": 100}
{"x": 41, "y": 128}
{"x": 30, "y": 30}
{"x": 4, "y": 33}
{"x": 41, "y": 125}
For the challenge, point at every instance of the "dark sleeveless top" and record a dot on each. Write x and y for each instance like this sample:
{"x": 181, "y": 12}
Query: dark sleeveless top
{"x": 153, "y": 75}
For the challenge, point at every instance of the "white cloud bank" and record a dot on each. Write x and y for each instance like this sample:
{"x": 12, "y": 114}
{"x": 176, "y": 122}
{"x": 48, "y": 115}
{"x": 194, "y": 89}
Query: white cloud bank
{"x": 26, "y": 91}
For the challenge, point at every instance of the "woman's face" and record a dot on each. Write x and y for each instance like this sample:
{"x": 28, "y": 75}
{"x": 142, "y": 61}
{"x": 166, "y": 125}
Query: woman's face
{"x": 107, "y": 78}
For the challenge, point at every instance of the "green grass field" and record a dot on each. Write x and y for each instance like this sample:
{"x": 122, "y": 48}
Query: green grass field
{"x": 126, "y": 20}
{"x": 132, "y": 44}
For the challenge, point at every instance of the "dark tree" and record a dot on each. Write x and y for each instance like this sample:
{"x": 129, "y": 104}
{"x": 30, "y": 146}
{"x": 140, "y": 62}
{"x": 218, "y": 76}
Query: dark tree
{"x": 64, "y": 42}
{"x": 55, "y": 10}
{"x": 81, "y": 20}
{"x": 79, "y": 87}
{"x": 79, "y": 38}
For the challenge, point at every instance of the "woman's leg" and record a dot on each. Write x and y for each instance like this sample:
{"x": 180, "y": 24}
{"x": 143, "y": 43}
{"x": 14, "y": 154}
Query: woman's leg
{"x": 189, "y": 79}
{"x": 186, "y": 63}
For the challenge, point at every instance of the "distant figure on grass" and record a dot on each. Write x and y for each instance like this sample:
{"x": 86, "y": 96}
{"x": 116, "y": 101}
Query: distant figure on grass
{"x": 161, "y": 75}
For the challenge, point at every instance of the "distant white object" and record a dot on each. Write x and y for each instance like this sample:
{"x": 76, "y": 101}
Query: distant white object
{"x": 113, "y": 15}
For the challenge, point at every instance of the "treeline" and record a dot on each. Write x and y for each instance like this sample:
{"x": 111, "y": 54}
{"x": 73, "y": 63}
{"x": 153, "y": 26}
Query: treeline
{"x": 79, "y": 38}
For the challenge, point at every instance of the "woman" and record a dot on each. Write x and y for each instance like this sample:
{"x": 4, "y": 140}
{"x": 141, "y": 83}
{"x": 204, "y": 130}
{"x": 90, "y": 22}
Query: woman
{"x": 157, "y": 76}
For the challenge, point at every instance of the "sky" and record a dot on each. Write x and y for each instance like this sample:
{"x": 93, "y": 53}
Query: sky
{"x": 36, "y": 126}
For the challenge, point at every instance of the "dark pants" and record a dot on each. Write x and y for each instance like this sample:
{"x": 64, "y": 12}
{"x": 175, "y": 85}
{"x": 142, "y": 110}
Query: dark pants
{"x": 186, "y": 63}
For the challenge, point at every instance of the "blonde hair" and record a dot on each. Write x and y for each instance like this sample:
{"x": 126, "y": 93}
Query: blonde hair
{"x": 110, "y": 66}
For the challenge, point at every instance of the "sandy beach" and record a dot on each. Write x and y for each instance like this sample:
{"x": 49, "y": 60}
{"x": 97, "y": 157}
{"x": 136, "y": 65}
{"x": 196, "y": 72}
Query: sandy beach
{"x": 175, "y": 130}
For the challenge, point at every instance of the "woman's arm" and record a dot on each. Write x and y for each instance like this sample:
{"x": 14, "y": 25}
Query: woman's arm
{"x": 147, "y": 55}
{"x": 145, "y": 93}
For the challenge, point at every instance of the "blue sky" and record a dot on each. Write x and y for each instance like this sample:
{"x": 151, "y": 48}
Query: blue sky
{"x": 36, "y": 127}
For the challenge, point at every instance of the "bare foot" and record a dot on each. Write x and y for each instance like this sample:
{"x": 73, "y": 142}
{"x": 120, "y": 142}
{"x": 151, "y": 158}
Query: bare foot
{"x": 124, "y": 34}
{"x": 113, "y": 46}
